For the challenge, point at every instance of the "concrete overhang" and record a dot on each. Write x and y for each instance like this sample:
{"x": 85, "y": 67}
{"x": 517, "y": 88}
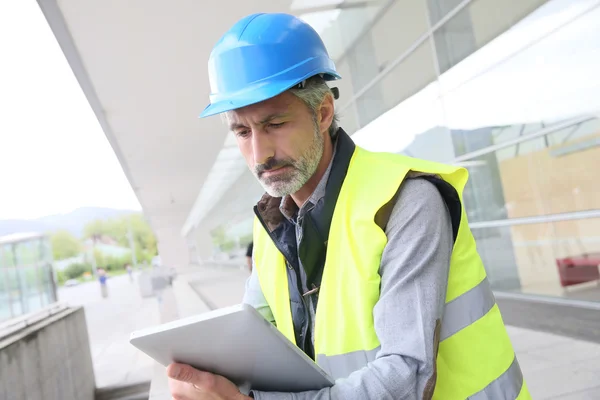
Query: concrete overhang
{"x": 142, "y": 65}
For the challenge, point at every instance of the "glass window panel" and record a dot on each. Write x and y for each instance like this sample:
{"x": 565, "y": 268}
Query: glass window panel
{"x": 491, "y": 17}
{"x": 5, "y": 311}
{"x": 404, "y": 130}
{"x": 554, "y": 80}
{"x": 398, "y": 29}
{"x": 552, "y": 86}
{"x": 495, "y": 246}
{"x": 349, "y": 119}
{"x": 552, "y": 183}
{"x": 520, "y": 38}
{"x": 326, "y": 23}
{"x": 46, "y": 250}
{"x": 434, "y": 144}
{"x": 535, "y": 178}
{"x": 525, "y": 258}
{"x": 344, "y": 26}
{"x": 307, "y": 4}
{"x": 438, "y": 9}
{"x": 419, "y": 66}
{"x": 345, "y": 84}
{"x": 45, "y": 289}
{"x": 7, "y": 255}
{"x": 483, "y": 196}
{"x": 561, "y": 133}
{"x": 14, "y": 290}
{"x": 473, "y": 26}
{"x": 26, "y": 277}
{"x": 362, "y": 51}
{"x": 363, "y": 70}
{"x": 25, "y": 252}
{"x": 31, "y": 290}
{"x": 395, "y": 87}
{"x": 3, "y": 256}
{"x": 454, "y": 40}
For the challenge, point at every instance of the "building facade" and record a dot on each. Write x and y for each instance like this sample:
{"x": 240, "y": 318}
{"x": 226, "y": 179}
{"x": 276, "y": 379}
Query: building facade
{"x": 507, "y": 89}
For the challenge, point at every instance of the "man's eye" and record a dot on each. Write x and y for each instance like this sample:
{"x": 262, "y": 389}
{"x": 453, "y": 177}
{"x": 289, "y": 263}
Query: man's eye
{"x": 242, "y": 133}
{"x": 279, "y": 125}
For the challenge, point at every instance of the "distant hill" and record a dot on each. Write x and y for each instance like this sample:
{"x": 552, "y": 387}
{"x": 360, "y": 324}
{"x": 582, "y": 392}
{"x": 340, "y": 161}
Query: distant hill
{"x": 72, "y": 222}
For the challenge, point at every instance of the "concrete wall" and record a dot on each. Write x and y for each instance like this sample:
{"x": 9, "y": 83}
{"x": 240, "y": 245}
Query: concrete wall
{"x": 49, "y": 360}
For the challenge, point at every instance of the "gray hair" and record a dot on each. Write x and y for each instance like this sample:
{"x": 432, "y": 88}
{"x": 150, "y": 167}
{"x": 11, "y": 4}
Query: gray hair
{"x": 312, "y": 92}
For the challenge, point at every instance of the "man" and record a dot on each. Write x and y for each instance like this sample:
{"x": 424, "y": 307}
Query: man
{"x": 102, "y": 278}
{"x": 384, "y": 286}
{"x": 129, "y": 270}
{"x": 249, "y": 256}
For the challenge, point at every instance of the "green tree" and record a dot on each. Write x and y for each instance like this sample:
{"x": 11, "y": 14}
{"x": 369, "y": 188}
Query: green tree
{"x": 119, "y": 229}
{"x": 142, "y": 234}
{"x": 74, "y": 271}
{"x": 97, "y": 227}
{"x": 64, "y": 245}
{"x": 219, "y": 237}
{"x": 246, "y": 239}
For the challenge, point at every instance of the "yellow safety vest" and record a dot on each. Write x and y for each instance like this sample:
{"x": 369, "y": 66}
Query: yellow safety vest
{"x": 475, "y": 358}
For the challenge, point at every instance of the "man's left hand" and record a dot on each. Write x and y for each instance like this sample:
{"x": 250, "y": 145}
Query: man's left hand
{"x": 187, "y": 383}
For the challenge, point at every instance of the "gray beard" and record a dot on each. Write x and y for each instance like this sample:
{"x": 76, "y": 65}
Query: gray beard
{"x": 302, "y": 170}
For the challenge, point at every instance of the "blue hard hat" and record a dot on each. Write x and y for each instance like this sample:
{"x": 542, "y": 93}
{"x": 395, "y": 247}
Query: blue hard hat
{"x": 261, "y": 56}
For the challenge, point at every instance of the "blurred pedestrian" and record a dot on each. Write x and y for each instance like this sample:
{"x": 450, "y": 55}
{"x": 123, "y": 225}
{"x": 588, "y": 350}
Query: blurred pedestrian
{"x": 129, "y": 272}
{"x": 102, "y": 278}
{"x": 249, "y": 256}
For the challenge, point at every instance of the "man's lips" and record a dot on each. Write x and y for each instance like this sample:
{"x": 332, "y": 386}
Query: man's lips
{"x": 275, "y": 172}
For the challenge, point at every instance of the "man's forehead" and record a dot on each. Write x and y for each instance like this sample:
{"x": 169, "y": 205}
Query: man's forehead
{"x": 281, "y": 104}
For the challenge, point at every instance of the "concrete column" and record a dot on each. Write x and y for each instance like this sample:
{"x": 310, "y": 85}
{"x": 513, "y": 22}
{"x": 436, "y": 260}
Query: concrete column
{"x": 173, "y": 248}
{"x": 203, "y": 241}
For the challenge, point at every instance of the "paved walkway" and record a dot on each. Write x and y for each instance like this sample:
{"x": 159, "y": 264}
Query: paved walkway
{"x": 110, "y": 321}
{"x": 555, "y": 367}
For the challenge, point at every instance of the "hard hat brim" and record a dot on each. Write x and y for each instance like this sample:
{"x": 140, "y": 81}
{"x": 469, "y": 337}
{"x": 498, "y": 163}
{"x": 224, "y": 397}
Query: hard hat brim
{"x": 260, "y": 92}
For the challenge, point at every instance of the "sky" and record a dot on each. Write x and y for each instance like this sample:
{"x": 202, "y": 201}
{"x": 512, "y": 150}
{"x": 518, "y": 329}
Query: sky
{"x": 54, "y": 156}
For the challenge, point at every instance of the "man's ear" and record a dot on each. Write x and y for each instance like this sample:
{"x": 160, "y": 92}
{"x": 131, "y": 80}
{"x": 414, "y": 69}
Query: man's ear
{"x": 326, "y": 113}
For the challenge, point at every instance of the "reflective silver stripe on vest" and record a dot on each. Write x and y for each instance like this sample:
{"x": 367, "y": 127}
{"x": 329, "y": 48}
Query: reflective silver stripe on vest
{"x": 342, "y": 365}
{"x": 466, "y": 309}
{"x": 458, "y": 314}
{"x": 506, "y": 387}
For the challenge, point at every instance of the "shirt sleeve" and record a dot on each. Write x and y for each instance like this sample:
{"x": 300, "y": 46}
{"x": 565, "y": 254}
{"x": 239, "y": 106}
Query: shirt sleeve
{"x": 414, "y": 275}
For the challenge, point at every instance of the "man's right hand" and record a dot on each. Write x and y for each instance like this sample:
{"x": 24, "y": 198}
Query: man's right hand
{"x": 188, "y": 383}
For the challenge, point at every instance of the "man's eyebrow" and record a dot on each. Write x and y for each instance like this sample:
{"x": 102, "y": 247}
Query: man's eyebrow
{"x": 236, "y": 125}
{"x": 274, "y": 116}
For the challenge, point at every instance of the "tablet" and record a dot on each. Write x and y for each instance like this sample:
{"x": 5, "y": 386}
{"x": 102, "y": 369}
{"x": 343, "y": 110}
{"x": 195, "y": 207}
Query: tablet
{"x": 237, "y": 343}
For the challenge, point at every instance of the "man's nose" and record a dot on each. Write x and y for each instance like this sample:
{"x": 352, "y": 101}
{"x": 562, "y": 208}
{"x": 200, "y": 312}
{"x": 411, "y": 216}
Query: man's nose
{"x": 262, "y": 147}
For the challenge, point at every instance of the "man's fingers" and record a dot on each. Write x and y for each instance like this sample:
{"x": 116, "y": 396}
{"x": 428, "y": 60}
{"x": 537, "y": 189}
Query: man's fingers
{"x": 186, "y": 382}
{"x": 184, "y": 373}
